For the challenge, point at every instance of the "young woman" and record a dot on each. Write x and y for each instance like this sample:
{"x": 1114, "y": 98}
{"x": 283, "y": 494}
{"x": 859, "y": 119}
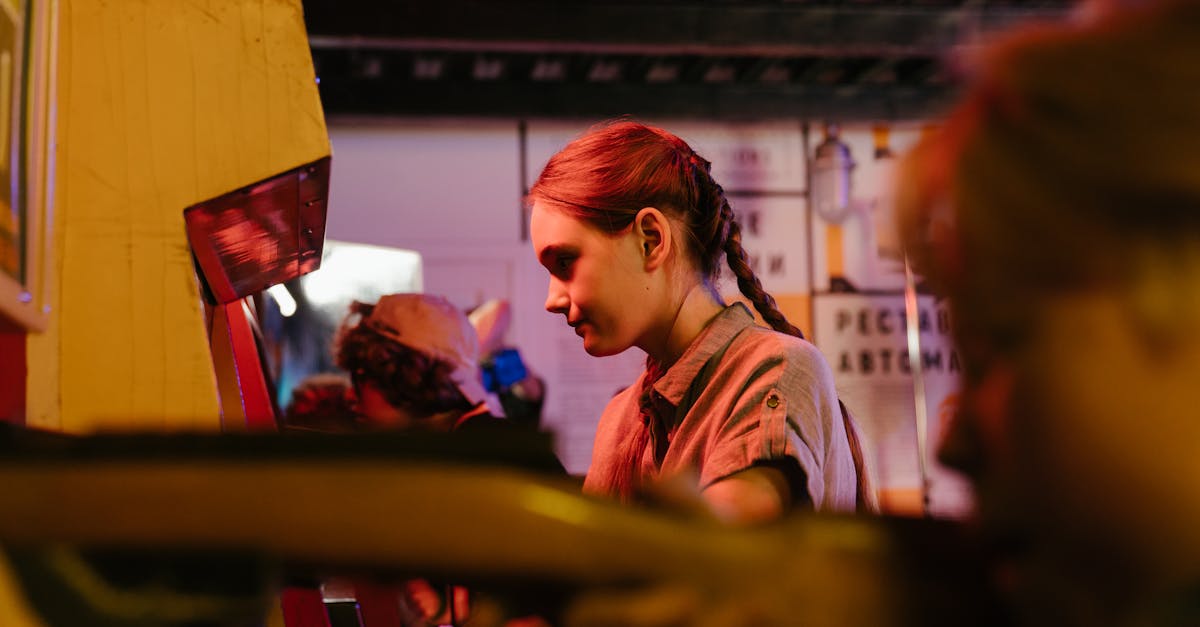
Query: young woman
{"x": 632, "y": 228}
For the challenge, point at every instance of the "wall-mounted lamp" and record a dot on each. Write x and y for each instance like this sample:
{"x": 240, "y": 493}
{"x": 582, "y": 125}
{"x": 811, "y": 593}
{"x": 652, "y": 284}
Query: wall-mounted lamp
{"x": 831, "y": 169}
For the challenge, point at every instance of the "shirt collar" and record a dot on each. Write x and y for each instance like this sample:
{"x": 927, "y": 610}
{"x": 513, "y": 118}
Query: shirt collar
{"x": 673, "y": 385}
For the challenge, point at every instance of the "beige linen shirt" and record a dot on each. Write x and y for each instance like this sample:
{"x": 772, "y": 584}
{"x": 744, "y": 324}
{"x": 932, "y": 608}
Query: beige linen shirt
{"x": 739, "y": 395}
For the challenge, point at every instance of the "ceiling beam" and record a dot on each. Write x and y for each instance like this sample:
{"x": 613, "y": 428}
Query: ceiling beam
{"x": 670, "y": 28}
{"x": 598, "y": 100}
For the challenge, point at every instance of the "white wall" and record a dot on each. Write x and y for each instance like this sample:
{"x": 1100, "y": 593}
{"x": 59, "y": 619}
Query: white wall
{"x": 421, "y": 184}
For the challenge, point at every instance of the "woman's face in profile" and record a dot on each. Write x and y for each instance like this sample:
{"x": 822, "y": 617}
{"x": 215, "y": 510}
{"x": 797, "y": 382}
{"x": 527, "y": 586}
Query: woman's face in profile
{"x": 596, "y": 280}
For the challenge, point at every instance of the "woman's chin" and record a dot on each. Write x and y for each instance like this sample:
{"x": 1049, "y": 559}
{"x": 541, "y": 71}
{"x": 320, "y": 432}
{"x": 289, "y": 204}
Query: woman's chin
{"x": 596, "y": 351}
{"x": 600, "y": 349}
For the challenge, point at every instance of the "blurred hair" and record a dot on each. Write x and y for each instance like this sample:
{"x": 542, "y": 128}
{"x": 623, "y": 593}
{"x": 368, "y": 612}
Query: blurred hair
{"x": 322, "y": 402}
{"x": 407, "y": 378}
{"x": 1072, "y": 163}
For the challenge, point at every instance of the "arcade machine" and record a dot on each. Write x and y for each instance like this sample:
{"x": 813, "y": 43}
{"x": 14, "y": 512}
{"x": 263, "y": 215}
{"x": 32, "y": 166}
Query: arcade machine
{"x": 178, "y": 164}
{"x": 114, "y": 119}
{"x": 244, "y": 242}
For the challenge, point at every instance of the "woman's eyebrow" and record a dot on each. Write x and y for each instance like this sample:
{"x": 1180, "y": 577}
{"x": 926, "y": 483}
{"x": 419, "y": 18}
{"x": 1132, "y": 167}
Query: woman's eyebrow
{"x": 552, "y": 251}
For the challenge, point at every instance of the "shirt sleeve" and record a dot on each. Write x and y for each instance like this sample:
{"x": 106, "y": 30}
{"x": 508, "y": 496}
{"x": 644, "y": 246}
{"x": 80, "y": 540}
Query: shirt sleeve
{"x": 776, "y": 417}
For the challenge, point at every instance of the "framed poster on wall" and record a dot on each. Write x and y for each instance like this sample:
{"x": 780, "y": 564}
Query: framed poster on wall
{"x": 865, "y": 338}
{"x": 27, "y": 53}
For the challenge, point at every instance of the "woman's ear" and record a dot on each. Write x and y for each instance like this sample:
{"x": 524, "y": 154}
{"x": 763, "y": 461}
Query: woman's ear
{"x": 653, "y": 232}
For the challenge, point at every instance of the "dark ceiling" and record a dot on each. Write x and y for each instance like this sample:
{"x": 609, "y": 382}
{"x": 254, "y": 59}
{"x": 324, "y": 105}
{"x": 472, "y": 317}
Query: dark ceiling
{"x": 856, "y": 59}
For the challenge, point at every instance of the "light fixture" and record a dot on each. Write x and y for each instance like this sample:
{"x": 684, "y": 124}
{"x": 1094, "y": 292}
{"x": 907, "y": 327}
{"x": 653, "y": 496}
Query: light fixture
{"x": 428, "y": 68}
{"x": 720, "y": 72}
{"x": 662, "y": 72}
{"x": 604, "y": 71}
{"x": 548, "y": 70}
{"x": 486, "y": 69}
{"x": 283, "y": 298}
{"x": 831, "y": 169}
{"x": 775, "y": 73}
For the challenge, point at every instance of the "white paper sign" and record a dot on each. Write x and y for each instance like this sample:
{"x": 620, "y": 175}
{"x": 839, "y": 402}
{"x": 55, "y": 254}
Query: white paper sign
{"x": 864, "y": 337}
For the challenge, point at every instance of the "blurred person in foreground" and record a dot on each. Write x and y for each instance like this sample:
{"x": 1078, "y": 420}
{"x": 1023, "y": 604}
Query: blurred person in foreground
{"x": 1059, "y": 212}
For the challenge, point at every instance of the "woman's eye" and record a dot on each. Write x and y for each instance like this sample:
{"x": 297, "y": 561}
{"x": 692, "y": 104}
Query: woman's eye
{"x": 563, "y": 264}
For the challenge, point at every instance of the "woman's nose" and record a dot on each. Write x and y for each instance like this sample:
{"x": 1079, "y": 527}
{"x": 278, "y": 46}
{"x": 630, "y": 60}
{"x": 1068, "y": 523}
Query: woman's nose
{"x": 556, "y": 299}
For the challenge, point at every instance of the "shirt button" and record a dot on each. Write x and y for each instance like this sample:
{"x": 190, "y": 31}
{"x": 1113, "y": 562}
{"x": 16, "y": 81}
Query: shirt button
{"x": 773, "y": 401}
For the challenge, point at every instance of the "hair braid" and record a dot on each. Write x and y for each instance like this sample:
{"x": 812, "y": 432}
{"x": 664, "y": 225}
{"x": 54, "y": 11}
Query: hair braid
{"x": 626, "y": 476}
{"x": 747, "y": 282}
{"x": 726, "y": 234}
{"x": 707, "y": 226}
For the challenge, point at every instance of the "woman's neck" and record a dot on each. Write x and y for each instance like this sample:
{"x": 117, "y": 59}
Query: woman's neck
{"x": 697, "y": 308}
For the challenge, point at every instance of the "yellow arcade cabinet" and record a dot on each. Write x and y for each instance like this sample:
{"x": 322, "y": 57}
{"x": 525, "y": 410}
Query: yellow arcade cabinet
{"x": 122, "y": 115}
